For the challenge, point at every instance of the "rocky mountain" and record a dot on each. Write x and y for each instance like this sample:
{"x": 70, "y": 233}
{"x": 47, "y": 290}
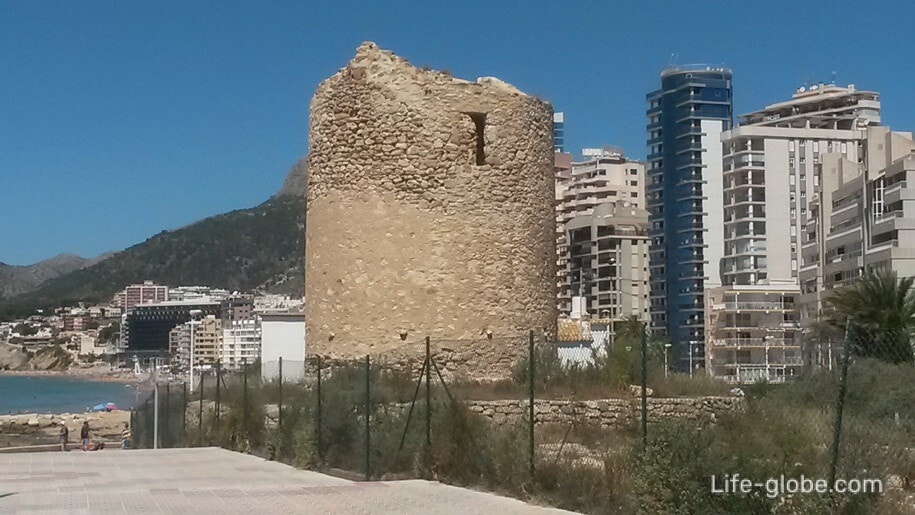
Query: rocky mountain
{"x": 259, "y": 248}
{"x": 15, "y": 280}
{"x": 296, "y": 183}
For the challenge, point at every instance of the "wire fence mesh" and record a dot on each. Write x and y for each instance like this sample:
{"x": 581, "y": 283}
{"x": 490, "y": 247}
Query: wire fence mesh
{"x": 615, "y": 432}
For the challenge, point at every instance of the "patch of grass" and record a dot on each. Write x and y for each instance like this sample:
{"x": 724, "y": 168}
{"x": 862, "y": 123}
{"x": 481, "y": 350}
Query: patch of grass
{"x": 782, "y": 429}
{"x": 682, "y": 385}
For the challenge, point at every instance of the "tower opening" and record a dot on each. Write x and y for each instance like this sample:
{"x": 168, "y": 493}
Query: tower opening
{"x": 479, "y": 122}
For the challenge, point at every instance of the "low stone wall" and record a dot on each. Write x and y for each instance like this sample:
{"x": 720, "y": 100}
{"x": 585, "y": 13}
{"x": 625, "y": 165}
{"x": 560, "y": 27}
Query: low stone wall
{"x": 608, "y": 413}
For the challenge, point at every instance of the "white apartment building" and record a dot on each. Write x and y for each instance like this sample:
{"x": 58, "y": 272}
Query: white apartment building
{"x": 196, "y": 293}
{"x": 241, "y": 343}
{"x": 779, "y": 165}
{"x": 605, "y": 178}
{"x": 862, "y": 219}
{"x": 233, "y": 344}
{"x": 753, "y": 333}
{"x": 772, "y": 170}
{"x": 608, "y": 262}
{"x": 815, "y": 193}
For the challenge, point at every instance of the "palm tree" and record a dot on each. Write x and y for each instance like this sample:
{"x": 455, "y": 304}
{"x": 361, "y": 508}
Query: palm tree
{"x": 881, "y": 309}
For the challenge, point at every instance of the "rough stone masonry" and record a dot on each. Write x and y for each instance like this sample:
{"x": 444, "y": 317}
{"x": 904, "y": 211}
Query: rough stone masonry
{"x": 430, "y": 213}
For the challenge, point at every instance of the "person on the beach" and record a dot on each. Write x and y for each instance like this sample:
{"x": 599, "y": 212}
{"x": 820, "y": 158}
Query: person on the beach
{"x": 125, "y": 436}
{"x": 84, "y": 435}
{"x": 64, "y": 437}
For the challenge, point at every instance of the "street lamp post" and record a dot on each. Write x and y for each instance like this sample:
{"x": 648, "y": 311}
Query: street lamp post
{"x": 691, "y": 358}
{"x": 194, "y": 313}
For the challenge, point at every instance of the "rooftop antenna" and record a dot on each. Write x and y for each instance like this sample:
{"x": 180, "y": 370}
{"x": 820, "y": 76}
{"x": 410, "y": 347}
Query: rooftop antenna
{"x": 673, "y": 59}
{"x": 833, "y": 77}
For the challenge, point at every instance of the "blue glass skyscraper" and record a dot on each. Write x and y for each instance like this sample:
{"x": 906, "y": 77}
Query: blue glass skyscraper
{"x": 559, "y": 132}
{"x": 685, "y": 120}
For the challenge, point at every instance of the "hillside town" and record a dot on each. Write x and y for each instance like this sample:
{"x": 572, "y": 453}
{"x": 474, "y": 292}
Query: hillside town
{"x": 148, "y": 324}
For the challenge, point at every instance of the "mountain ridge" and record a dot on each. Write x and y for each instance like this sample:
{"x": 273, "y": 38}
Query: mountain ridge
{"x": 259, "y": 248}
{"x": 17, "y": 279}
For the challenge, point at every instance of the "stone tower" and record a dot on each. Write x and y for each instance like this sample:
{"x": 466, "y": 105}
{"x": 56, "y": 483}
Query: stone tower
{"x": 430, "y": 213}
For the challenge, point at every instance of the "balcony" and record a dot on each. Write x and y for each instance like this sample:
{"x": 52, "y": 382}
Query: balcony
{"x": 877, "y": 247}
{"x": 754, "y": 342}
{"x": 897, "y": 192}
{"x": 749, "y": 161}
{"x": 760, "y": 306}
{"x": 692, "y": 131}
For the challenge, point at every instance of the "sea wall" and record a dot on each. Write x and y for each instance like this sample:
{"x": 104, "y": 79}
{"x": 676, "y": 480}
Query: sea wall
{"x": 608, "y": 413}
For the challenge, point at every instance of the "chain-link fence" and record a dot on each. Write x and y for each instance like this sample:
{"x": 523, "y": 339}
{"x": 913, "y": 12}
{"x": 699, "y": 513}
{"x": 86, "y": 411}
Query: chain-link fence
{"x": 618, "y": 431}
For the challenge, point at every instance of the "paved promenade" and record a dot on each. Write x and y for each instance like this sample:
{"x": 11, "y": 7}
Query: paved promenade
{"x": 216, "y": 481}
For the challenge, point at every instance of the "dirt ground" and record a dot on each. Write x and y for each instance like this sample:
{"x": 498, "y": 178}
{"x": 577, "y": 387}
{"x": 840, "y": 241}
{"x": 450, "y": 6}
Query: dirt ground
{"x": 37, "y": 429}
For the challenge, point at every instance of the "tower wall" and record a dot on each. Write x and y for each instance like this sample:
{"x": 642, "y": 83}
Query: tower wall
{"x": 430, "y": 213}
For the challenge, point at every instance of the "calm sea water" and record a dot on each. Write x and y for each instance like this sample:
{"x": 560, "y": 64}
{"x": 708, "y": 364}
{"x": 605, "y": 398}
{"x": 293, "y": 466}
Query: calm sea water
{"x": 36, "y": 394}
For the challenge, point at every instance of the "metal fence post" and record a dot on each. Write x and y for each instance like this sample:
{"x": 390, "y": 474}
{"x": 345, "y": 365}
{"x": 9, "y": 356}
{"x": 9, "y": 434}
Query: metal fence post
{"x": 184, "y": 416}
{"x": 133, "y": 425}
{"x": 156, "y": 417}
{"x": 200, "y": 419}
{"x": 834, "y": 454}
{"x": 644, "y": 389}
{"x": 280, "y": 414}
{"x": 318, "y": 413}
{"x": 428, "y": 400}
{"x": 218, "y": 387}
{"x": 168, "y": 418}
{"x": 531, "y": 400}
{"x": 368, "y": 470}
{"x": 245, "y": 402}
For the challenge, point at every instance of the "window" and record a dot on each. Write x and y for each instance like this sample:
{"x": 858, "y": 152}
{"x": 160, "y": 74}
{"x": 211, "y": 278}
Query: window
{"x": 479, "y": 121}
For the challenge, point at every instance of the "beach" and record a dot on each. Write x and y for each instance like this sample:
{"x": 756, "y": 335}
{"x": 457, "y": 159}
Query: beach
{"x": 95, "y": 373}
{"x": 44, "y": 429}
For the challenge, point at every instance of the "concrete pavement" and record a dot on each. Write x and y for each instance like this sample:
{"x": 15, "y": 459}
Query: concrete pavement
{"x": 212, "y": 480}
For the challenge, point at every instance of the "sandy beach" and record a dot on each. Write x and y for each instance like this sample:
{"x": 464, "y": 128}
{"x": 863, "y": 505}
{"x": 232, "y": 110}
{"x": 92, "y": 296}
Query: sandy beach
{"x": 100, "y": 373}
{"x": 40, "y": 429}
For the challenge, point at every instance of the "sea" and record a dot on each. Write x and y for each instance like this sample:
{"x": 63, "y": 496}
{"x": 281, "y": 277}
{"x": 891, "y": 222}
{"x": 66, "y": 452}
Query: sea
{"x": 50, "y": 394}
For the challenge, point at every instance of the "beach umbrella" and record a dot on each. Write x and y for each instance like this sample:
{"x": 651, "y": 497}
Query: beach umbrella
{"x": 98, "y": 407}
{"x": 112, "y": 406}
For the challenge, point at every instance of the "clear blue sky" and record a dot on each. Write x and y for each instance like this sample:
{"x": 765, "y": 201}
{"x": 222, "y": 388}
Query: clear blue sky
{"x": 122, "y": 119}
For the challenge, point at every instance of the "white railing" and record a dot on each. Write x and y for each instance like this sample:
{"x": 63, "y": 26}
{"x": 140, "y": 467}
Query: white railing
{"x": 757, "y": 305}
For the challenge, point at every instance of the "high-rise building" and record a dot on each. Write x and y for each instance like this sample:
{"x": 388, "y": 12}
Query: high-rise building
{"x": 814, "y": 195}
{"x": 685, "y": 120}
{"x": 601, "y": 198}
{"x": 559, "y": 132}
{"x": 241, "y": 342}
{"x": 773, "y": 164}
{"x": 862, "y": 217}
{"x": 145, "y": 328}
{"x": 136, "y": 294}
{"x": 608, "y": 263}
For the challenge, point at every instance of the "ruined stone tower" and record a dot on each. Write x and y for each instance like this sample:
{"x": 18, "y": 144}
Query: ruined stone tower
{"x": 430, "y": 213}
